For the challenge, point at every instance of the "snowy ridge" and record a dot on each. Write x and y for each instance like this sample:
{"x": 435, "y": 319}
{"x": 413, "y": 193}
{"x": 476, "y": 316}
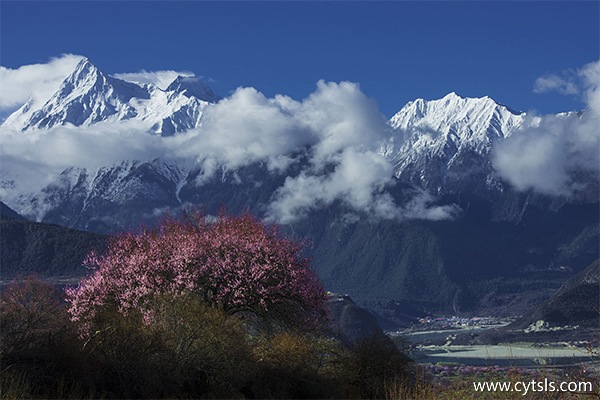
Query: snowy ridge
{"x": 467, "y": 118}
{"x": 79, "y": 190}
{"x": 454, "y": 121}
{"x": 442, "y": 146}
{"x": 438, "y": 137}
{"x": 88, "y": 96}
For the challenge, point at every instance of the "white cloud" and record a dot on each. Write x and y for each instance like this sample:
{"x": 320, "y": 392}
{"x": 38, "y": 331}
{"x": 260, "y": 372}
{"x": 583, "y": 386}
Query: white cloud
{"x": 35, "y": 81}
{"x": 551, "y": 83}
{"x": 546, "y": 152}
{"x": 244, "y": 128}
{"x": 247, "y": 126}
{"x": 342, "y": 116}
{"x": 36, "y": 157}
{"x": 162, "y": 79}
{"x": 358, "y": 180}
{"x": 332, "y": 135}
{"x": 338, "y": 130}
{"x": 421, "y": 206}
{"x": 590, "y": 74}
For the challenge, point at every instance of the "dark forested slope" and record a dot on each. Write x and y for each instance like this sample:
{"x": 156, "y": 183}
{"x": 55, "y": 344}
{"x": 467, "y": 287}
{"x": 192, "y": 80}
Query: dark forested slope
{"x": 44, "y": 249}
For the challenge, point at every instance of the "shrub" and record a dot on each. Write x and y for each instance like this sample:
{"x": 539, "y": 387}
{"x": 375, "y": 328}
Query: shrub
{"x": 39, "y": 351}
{"x": 374, "y": 362}
{"x": 295, "y": 365}
{"x": 30, "y": 312}
{"x": 189, "y": 350}
{"x": 157, "y": 312}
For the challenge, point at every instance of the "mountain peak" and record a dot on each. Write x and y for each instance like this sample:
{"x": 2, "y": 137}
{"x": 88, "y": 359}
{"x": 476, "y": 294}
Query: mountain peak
{"x": 84, "y": 65}
{"x": 453, "y": 95}
{"x": 454, "y": 98}
{"x": 450, "y": 111}
{"x": 193, "y": 86}
{"x": 88, "y": 96}
{"x": 454, "y": 131}
{"x": 84, "y": 74}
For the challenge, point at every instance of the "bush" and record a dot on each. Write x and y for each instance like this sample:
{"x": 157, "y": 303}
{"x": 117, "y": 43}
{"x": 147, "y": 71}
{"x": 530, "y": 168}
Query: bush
{"x": 30, "y": 313}
{"x": 189, "y": 350}
{"x": 183, "y": 349}
{"x": 187, "y": 310}
{"x": 170, "y": 310}
{"x": 373, "y": 363}
{"x": 295, "y": 365}
{"x": 39, "y": 351}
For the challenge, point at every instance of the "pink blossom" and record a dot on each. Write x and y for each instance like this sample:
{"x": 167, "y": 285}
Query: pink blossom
{"x": 237, "y": 264}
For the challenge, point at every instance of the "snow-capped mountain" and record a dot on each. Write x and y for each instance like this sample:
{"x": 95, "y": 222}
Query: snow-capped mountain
{"x": 88, "y": 96}
{"x": 440, "y": 144}
{"x": 108, "y": 198}
{"x": 466, "y": 119}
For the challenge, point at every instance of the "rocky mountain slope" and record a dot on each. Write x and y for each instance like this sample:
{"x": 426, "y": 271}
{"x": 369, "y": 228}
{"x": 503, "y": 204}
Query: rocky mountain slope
{"x": 577, "y": 302}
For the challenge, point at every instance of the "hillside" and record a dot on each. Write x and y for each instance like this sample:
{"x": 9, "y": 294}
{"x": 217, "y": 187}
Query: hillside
{"x": 577, "y": 302}
{"x": 44, "y": 249}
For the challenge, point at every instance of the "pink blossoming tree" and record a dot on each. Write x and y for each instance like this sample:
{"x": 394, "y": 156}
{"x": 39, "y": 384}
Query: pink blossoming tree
{"x": 237, "y": 264}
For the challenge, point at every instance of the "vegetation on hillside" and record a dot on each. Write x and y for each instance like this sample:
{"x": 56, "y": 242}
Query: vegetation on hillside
{"x": 188, "y": 310}
{"x": 199, "y": 309}
{"x": 44, "y": 249}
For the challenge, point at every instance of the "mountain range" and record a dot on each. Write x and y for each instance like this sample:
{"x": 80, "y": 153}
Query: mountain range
{"x": 88, "y": 96}
{"x": 502, "y": 249}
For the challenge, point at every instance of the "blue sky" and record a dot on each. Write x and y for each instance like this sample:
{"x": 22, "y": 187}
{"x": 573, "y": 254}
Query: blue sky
{"x": 396, "y": 51}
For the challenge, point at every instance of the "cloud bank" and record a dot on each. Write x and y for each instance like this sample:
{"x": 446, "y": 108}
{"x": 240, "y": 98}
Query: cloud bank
{"x": 36, "y": 81}
{"x": 333, "y": 135}
{"x": 547, "y": 152}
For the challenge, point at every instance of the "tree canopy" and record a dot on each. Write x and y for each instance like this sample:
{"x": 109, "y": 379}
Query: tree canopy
{"x": 236, "y": 263}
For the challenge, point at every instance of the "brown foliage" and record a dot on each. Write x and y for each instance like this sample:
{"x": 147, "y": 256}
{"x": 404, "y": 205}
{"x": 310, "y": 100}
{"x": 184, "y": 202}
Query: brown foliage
{"x": 30, "y": 313}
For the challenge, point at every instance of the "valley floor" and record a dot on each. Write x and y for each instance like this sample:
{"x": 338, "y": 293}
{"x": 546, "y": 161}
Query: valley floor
{"x": 450, "y": 351}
